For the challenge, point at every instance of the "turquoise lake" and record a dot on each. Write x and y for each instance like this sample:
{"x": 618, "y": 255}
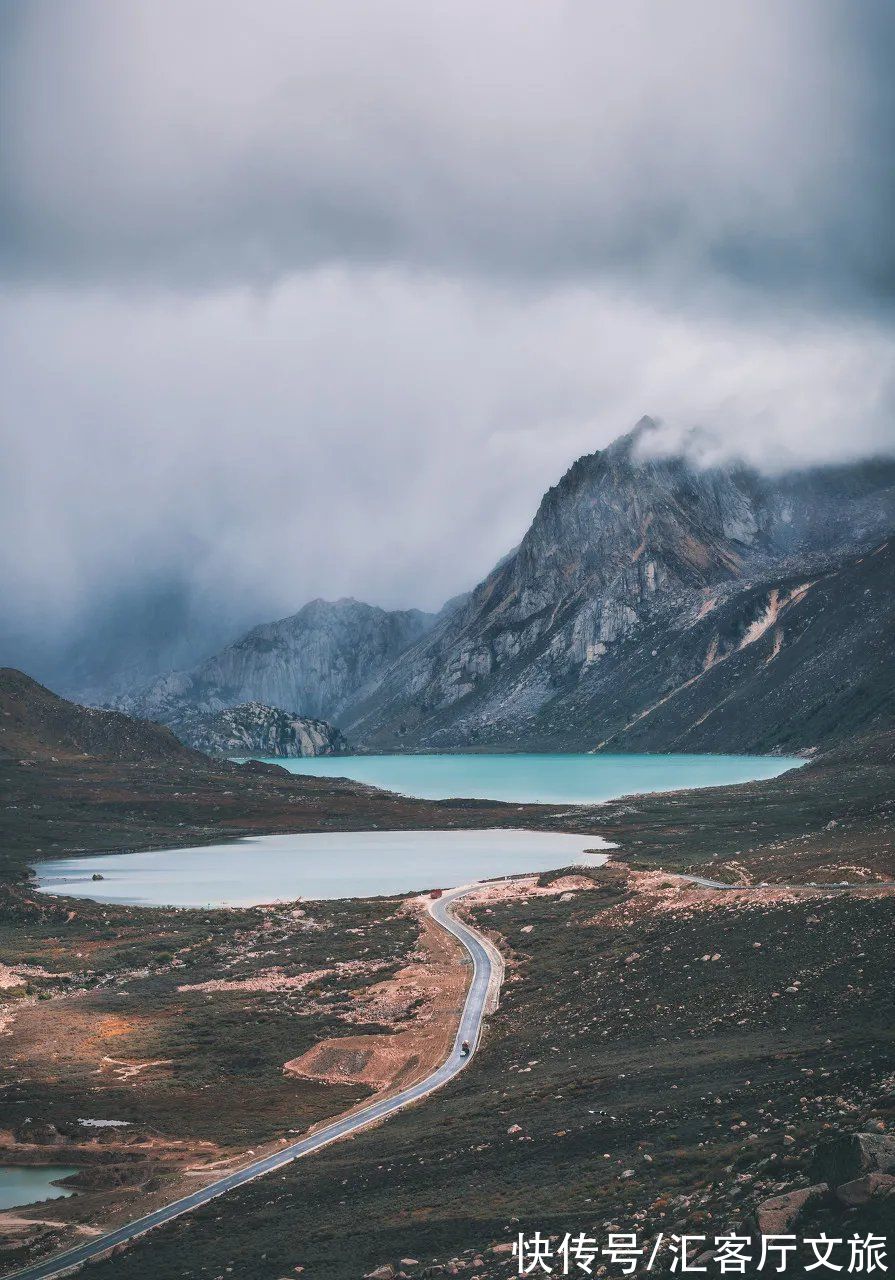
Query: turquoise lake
{"x": 20, "y": 1184}
{"x": 542, "y": 779}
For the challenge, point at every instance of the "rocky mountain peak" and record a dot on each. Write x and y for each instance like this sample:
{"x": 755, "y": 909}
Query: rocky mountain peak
{"x": 315, "y": 661}
{"x": 624, "y": 539}
{"x": 632, "y": 546}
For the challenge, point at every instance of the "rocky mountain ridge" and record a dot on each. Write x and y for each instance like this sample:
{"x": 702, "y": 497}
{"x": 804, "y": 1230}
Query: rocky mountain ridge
{"x": 316, "y": 661}
{"x": 652, "y": 605}
{"x": 625, "y": 560}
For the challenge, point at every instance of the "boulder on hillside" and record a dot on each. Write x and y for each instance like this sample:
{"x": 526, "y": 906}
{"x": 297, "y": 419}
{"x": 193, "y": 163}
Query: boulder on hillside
{"x": 872, "y": 1186}
{"x": 843, "y": 1157}
{"x": 780, "y": 1214}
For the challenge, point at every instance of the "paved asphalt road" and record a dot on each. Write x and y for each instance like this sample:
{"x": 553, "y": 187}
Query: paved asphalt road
{"x": 843, "y": 886}
{"x": 469, "y": 1029}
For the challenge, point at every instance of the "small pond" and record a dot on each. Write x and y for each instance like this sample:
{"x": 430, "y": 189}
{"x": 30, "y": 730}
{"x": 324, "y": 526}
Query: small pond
{"x": 26, "y": 1184}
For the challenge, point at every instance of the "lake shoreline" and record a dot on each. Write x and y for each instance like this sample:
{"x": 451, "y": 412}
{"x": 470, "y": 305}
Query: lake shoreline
{"x": 751, "y": 831}
{"x": 316, "y": 866}
{"x": 546, "y": 778}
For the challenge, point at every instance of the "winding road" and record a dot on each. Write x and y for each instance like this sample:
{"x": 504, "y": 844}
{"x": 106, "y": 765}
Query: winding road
{"x": 843, "y": 887}
{"x": 486, "y": 977}
{"x": 487, "y": 970}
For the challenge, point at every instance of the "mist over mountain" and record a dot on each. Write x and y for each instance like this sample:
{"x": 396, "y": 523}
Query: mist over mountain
{"x": 327, "y": 332}
{"x": 124, "y": 639}
{"x": 653, "y": 602}
{"x": 289, "y": 316}
{"x": 642, "y": 579}
{"x": 313, "y": 663}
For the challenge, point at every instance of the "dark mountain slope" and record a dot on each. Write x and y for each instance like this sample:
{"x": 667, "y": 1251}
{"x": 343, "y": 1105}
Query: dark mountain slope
{"x": 782, "y": 665}
{"x": 36, "y": 724}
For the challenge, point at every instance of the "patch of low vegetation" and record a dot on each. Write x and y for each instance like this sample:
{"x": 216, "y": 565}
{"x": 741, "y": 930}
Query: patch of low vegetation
{"x": 831, "y": 820}
{"x": 649, "y": 1070}
{"x": 175, "y": 1025}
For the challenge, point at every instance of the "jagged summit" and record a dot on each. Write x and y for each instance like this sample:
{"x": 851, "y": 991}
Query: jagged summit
{"x": 629, "y": 444}
{"x": 626, "y": 545}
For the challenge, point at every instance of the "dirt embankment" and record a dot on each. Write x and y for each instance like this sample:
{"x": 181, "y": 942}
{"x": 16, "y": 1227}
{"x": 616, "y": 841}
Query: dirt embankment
{"x": 422, "y": 1002}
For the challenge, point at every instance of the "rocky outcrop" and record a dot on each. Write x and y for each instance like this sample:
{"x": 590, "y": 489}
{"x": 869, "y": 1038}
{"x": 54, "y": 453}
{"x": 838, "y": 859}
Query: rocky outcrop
{"x": 256, "y": 729}
{"x": 781, "y": 1213}
{"x": 857, "y": 1174}
{"x": 861, "y": 1191}
{"x": 843, "y": 1157}
{"x": 638, "y": 575}
{"x": 316, "y": 661}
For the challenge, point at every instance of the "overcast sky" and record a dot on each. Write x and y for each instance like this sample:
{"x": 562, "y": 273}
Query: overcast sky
{"x": 309, "y": 299}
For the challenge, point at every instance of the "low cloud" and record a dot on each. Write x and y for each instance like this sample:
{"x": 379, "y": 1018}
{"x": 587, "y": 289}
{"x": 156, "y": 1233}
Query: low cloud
{"x": 311, "y": 300}
{"x": 369, "y": 433}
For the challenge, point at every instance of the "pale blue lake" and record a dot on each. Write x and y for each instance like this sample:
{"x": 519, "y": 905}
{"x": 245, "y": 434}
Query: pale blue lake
{"x": 541, "y": 779}
{"x": 345, "y": 864}
{"x": 21, "y": 1184}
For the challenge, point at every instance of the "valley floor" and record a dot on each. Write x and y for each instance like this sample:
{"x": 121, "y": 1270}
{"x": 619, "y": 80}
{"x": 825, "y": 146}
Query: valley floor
{"x": 664, "y": 1059}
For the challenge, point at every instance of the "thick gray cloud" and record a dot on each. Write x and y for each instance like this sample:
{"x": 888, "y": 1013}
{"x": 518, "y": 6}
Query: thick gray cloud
{"x": 195, "y": 141}
{"x": 372, "y": 433}
{"x": 317, "y": 299}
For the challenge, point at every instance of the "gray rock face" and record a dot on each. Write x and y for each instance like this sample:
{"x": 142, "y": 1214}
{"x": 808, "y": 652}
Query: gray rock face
{"x": 651, "y": 606}
{"x": 255, "y": 729}
{"x": 317, "y": 661}
{"x": 872, "y": 1186}
{"x": 626, "y": 549}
